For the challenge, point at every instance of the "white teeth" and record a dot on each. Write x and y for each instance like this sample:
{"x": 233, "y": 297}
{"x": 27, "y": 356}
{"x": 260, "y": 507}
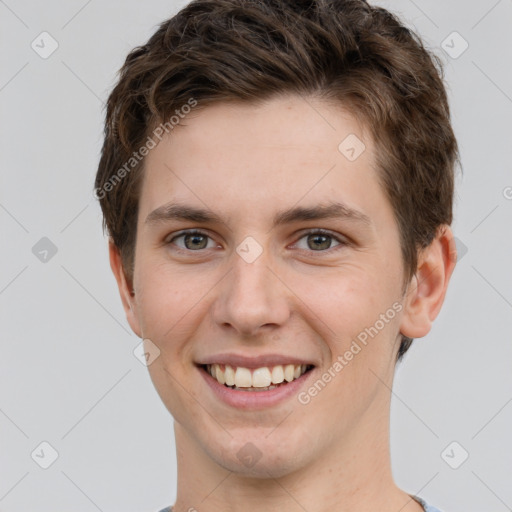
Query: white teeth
{"x": 219, "y": 374}
{"x": 289, "y": 371}
{"x": 243, "y": 378}
{"x": 277, "y": 374}
{"x": 229, "y": 375}
{"x": 261, "y": 378}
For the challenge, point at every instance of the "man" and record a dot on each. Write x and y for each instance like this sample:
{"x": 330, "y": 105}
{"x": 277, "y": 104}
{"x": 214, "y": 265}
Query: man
{"x": 277, "y": 183}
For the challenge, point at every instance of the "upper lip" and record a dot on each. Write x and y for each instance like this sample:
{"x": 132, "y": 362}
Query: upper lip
{"x": 253, "y": 362}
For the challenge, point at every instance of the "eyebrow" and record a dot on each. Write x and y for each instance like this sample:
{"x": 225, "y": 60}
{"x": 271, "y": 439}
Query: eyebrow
{"x": 332, "y": 210}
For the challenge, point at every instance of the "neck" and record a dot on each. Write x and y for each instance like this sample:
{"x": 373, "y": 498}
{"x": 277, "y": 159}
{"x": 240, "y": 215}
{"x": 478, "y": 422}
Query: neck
{"x": 354, "y": 474}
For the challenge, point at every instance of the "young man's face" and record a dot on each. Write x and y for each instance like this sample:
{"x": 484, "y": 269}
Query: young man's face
{"x": 256, "y": 294}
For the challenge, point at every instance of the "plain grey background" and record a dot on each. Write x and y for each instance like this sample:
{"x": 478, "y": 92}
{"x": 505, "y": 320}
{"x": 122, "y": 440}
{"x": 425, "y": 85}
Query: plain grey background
{"x": 69, "y": 377}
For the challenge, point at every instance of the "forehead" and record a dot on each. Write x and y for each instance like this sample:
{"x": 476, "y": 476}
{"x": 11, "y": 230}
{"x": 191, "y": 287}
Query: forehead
{"x": 242, "y": 158}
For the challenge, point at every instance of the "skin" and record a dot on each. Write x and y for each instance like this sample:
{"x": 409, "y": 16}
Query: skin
{"x": 245, "y": 163}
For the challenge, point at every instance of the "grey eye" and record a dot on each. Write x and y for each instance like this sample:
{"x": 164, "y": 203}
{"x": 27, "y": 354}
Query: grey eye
{"x": 193, "y": 240}
{"x": 318, "y": 241}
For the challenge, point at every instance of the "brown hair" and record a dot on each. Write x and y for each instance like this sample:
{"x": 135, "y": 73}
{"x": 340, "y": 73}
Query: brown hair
{"x": 343, "y": 50}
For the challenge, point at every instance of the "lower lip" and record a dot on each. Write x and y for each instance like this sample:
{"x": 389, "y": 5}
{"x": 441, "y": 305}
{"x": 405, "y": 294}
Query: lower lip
{"x": 254, "y": 399}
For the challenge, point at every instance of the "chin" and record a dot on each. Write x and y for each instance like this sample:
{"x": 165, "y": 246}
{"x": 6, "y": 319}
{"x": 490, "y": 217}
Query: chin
{"x": 264, "y": 454}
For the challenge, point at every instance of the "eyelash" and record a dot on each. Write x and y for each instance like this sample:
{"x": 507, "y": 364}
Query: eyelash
{"x": 342, "y": 241}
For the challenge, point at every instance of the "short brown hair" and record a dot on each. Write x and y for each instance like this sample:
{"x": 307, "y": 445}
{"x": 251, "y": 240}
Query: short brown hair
{"x": 246, "y": 50}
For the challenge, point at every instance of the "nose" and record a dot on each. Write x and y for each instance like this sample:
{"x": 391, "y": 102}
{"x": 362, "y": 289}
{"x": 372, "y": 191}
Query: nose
{"x": 252, "y": 298}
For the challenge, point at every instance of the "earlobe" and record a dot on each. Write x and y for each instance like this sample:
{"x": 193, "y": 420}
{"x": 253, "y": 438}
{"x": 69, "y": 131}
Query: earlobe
{"x": 426, "y": 291}
{"x": 125, "y": 288}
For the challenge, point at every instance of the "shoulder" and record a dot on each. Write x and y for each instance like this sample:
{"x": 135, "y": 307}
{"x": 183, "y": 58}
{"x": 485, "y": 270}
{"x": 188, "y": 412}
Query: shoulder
{"x": 424, "y": 504}
{"x": 430, "y": 508}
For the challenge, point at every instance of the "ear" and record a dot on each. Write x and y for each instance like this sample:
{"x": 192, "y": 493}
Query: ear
{"x": 427, "y": 289}
{"x": 125, "y": 289}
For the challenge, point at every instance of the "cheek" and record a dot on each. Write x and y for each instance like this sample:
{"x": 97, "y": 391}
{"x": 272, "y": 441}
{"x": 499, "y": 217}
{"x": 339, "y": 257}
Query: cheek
{"x": 346, "y": 301}
{"x": 356, "y": 307}
{"x": 360, "y": 341}
{"x": 168, "y": 300}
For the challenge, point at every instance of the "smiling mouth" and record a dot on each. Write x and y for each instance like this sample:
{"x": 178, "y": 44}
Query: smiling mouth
{"x": 258, "y": 379}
